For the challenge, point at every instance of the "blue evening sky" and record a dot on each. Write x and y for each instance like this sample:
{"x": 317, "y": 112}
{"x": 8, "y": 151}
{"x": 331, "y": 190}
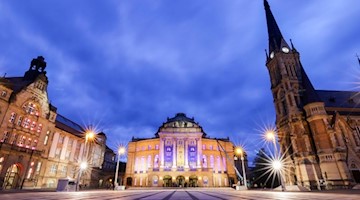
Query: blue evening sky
{"x": 127, "y": 65}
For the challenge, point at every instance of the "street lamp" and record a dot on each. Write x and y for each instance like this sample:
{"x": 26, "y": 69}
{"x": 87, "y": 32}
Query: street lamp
{"x": 277, "y": 164}
{"x": 89, "y": 136}
{"x": 83, "y": 166}
{"x": 121, "y": 151}
{"x": 278, "y": 167}
{"x": 270, "y": 136}
{"x": 239, "y": 151}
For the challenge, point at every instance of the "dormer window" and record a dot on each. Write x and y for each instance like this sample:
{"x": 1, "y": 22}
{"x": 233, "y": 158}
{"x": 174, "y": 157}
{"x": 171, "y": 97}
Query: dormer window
{"x": 3, "y": 93}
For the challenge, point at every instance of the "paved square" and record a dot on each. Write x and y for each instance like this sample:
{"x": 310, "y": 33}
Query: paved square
{"x": 182, "y": 194}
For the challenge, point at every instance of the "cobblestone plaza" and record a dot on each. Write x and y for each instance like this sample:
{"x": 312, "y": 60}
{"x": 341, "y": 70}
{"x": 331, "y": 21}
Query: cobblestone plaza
{"x": 183, "y": 194}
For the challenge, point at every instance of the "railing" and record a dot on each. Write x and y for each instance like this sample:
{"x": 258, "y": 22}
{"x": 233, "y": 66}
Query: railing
{"x": 13, "y": 147}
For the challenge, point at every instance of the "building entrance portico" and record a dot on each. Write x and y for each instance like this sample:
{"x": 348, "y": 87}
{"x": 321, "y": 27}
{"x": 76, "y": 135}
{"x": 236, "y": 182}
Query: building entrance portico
{"x": 193, "y": 181}
{"x": 12, "y": 177}
{"x": 167, "y": 181}
{"x": 180, "y": 181}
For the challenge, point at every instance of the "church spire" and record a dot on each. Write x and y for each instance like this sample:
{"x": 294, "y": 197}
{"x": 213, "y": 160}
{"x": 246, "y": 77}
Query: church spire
{"x": 276, "y": 40}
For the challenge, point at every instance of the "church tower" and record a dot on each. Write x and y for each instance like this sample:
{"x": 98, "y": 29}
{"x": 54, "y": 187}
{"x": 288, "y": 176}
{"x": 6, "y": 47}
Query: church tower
{"x": 304, "y": 128}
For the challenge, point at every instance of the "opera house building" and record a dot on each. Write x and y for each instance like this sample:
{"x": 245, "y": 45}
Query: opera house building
{"x": 180, "y": 155}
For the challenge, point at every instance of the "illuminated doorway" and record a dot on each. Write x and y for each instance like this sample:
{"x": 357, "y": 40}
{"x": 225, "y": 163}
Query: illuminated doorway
{"x": 12, "y": 177}
{"x": 167, "y": 181}
{"x": 193, "y": 181}
{"x": 180, "y": 181}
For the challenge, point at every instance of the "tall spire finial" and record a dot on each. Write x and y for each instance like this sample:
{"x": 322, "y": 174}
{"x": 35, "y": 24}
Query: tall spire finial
{"x": 276, "y": 40}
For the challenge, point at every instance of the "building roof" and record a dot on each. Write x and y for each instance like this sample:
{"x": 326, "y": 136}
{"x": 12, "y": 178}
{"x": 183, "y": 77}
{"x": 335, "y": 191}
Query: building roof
{"x": 69, "y": 126}
{"x": 339, "y": 99}
{"x": 15, "y": 83}
{"x": 180, "y": 117}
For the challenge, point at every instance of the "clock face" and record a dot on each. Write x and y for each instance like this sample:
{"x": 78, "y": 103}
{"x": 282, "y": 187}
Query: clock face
{"x": 285, "y": 50}
{"x": 272, "y": 55}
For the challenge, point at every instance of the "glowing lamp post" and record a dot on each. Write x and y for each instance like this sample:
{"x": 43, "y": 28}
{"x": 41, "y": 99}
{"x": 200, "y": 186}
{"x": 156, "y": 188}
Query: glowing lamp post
{"x": 121, "y": 152}
{"x": 240, "y": 152}
{"x": 278, "y": 166}
{"x": 270, "y": 136}
{"x": 83, "y": 166}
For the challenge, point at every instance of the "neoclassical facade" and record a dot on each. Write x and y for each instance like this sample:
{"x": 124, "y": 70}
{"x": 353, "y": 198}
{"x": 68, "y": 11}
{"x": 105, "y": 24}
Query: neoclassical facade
{"x": 180, "y": 154}
{"x": 318, "y": 130}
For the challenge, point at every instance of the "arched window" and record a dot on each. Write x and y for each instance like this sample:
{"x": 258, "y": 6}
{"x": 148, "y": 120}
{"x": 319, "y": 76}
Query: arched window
{"x": 218, "y": 163}
{"x": 156, "y": 161}
{"x": 31, "y": 108}
{"x": 212, "y": 161}
{"x": 149, "y": 161}
{"x": 142, "y": 165}
{"x": 204, "y": 161}
{"x": 224, "y": 164}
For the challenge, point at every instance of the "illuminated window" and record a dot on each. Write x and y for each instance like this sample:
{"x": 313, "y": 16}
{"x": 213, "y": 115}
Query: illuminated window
{"x": 211, "y": 161}
{"x": 211, "y": 147}
{"x": 204, "y": 161}
{"x": 38, "y": 167}
{"x": 29, "y": 173}
{"x": 61, "y": 139}
{"x": 157, "y": 147}
{"x": 34, "y": 144}
{"x": 53, "y": 168}
{"x": 149, "y": 147}
{"x": 33, "y": 125}
{"x": 26, "y": 123}
{"x": 28, "y": 144}
{"x": 19, "y": 120}
{"x": 39, "y": 128}
{"x": 149, "y": 161}
{"x": 64, "y": 170}
{"x": 1, "y": 163}
{"x": 46, "y": 137}
{"x": 203, "y": 146}
{"x": 5, "y": 137}
{"x": 31, "y": 108}
{"x": 156, "y": 161}
{"x": 57, "y": 152}
{"x": 218, "y": 163}
{"x": 12, "y": 117}
{"x": 14, "y": 139}
{"x": 22, "y": 141}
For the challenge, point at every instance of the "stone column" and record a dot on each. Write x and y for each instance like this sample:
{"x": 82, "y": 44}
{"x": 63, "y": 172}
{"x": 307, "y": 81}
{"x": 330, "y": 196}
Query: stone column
{"x": 174, "y": 153}
{"x": 186, "y": 153}
{"x": 161, "y": 156}
{"x": 198, "y": 153}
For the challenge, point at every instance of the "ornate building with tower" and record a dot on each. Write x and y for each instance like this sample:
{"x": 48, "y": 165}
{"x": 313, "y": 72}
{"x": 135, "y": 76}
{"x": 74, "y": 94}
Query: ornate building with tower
{"x": 38, "y": 146}
{"x": 318, "y": 130}
{"x": 180, "y": 154}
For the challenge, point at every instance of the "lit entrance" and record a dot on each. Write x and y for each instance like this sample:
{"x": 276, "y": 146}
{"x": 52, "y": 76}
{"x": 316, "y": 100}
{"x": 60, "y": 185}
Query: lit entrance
{"x": 167, "y": 181}
{"x": 193, "y": 181}
{"x": 180, "y": 181}
{"x": 12, "y": 177}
